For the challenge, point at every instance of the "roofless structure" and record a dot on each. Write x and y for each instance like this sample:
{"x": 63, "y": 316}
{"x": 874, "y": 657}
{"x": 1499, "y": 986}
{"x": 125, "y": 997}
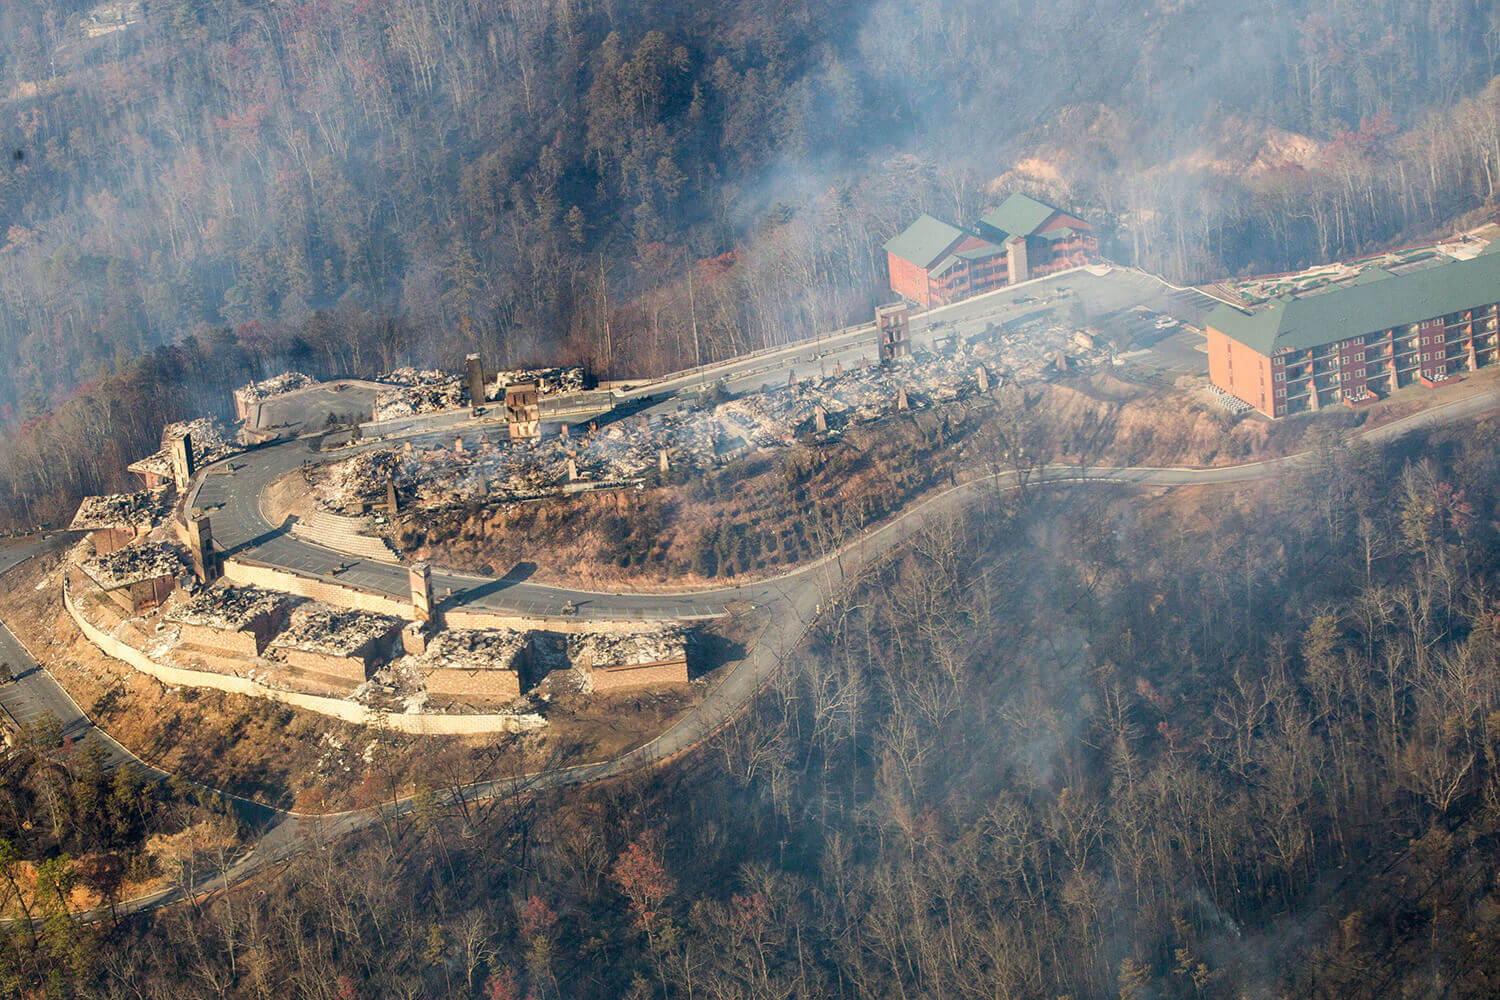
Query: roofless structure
{"x": 1352, "y": 344}
{"x": 934, "y": 262}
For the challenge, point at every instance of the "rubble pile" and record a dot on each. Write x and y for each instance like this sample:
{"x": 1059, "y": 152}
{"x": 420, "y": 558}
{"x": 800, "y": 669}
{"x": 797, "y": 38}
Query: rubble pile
{"x": 474, "y": 649}
{"x": 136, "y": 563}
{"x": 775, "y": 418}
{"x": 413, "y": 391}
{"x": 355, "y": 483}
{"x": 1028, "y": 349}
{"x": 550, "y": 381}
{"x": 630, "y": 449}
{"x": 321, "y": 628}
{"x": 147, "y": 508}
{"x": 211, "y": 443}
{"x": 549, "y": 654}
{"x": 280, "y": 385}
{"x": 228, "y": 608}
{"x": 599, "y": 650}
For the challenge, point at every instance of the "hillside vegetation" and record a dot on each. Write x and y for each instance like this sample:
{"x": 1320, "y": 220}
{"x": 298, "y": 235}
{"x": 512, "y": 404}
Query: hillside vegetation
{"x": 1205, "y": 746}
{"x": 217, "y": 191}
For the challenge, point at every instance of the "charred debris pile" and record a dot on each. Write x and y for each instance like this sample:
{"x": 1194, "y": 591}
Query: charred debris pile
{"x": 485, "y": 467}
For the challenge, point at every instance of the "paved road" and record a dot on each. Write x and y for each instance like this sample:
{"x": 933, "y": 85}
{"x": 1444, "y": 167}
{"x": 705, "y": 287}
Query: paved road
{"x": 1124, "y": 302}
{"x": 230, "y": 491}
{"x": 34, "y": 693}
{"x": 793, "y": 602}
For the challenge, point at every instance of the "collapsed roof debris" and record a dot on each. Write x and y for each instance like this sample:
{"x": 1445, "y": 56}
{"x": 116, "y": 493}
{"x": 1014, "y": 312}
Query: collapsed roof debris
{"x": 321, "y": 628}
{"x": 550, "y": 381}
{"x": 228, "y": 608}
{"x": 145, "y": 509}
{"x": 211, "y": 443}
{"x": 352, "y": 485}
{"x": 474, "y": 649}
{"x": 414, "y": 391}
{"x": 492, "y": 469}
{"x": 602, "y": 650}
{"x": 279, "y": 385}
{"x": 135, "y": 563}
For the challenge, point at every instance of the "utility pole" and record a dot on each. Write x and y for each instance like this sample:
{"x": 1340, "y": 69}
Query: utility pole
{"x": 604, "y": 317}
{"x": 693, "y": 312}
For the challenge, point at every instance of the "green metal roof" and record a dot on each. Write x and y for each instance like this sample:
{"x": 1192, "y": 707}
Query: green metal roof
{"x": 1372, "y": 273}
{"x": 1018, "y": 215}
{"x": 925, "y": 241}
{"x": 940, "y": 269}
{"x": 980, "y": 253}
{"x": 1053, "y": 235}
{"x": 1362, "y": 308}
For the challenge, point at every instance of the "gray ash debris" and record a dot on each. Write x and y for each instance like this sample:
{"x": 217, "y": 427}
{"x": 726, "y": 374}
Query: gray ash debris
{"x": 413, "y": 391}
{"x": 493, "y": 469}
{"x": 211, "y": 443}
{"x": 145, "y": 509}
{"x": 229, "y": 608}
{"x": 475, "y": 649}
{"x": 322, "y": 628}
{"x": 550, "y": 381}
{"x": 601, "y": 650}
{"x": 279, "y": 385}
{"x": 136, "y": 563}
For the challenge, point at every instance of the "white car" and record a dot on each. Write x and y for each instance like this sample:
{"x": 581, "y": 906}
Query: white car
{"x": 1164, "y": 323}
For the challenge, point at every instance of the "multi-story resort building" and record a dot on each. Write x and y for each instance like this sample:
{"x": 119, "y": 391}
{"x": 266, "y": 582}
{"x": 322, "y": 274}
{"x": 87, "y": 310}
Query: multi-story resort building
{"x": 1360, "y": 341}
{"x": 934, "y": 263}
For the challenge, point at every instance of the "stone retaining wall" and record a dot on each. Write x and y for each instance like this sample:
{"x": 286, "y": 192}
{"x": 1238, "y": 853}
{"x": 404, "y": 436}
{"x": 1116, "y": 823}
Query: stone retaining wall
{"x": 479, "y": 685}
{"x": 241, "y": 642}
{"x": 473, "y": 619}
{"x": 417, "y": 725}
{"x": 248, "y": 574}
{"x": 637, "y": 675}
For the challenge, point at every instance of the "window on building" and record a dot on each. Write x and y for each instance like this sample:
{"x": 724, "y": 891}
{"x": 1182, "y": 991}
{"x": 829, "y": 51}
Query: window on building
{"x": 1281, "y": 376}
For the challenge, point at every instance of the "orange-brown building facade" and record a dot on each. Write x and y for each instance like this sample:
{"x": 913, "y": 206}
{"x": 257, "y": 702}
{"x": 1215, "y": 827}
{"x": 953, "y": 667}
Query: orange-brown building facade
{"x": 1359, "y": 342}
{"x": 935, "y": 263}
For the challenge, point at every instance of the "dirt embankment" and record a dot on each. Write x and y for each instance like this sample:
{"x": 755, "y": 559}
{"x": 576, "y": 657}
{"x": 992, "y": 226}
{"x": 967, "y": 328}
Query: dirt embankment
{"x": 270, "y": 753}
{"x": 766, "y": 514}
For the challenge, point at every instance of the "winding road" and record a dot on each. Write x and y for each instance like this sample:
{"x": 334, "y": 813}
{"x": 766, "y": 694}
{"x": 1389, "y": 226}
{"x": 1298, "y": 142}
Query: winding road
{"x": 791, "y": 603}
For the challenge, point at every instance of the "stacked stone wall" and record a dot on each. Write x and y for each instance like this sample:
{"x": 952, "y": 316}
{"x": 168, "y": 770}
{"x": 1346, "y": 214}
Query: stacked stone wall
{"x": 249, "y": 574}
{"x": 607, "y": 679}
{"x": 496, "y": 686}
{"x": 418, "y": 725}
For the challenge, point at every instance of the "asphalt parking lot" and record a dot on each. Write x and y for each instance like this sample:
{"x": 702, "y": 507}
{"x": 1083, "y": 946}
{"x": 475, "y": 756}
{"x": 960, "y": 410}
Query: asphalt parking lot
{"x": 1124, "y": 305}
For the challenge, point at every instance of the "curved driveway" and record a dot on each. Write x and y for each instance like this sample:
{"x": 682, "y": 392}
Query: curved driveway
{"x": 792, "y": 602}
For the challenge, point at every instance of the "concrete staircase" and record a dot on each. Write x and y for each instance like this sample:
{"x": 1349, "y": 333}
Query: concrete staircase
{"x": 343, "y": 534}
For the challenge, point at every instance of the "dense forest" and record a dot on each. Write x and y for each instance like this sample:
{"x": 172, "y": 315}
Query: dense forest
{"x": 595, "y": 179}
{"x": 1076, "y": 743}
{"x": 1094, "y": 744}
{"x": 196, "y": 194}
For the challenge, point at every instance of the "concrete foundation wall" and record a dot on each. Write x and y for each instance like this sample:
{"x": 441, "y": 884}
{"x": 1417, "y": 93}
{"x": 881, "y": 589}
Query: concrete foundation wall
{"x": 352, "y": 669}
{"x": 247, "y": 574}
{"x": 469, "y": 619}
{"x": 416, "y": 725}
{"x": 479, "y": 685}
{"x": 143, "y": 595}
{"x": 644, "y": 675}
{"x": 107, "y": 540}
{"x": 239, "y": 643}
